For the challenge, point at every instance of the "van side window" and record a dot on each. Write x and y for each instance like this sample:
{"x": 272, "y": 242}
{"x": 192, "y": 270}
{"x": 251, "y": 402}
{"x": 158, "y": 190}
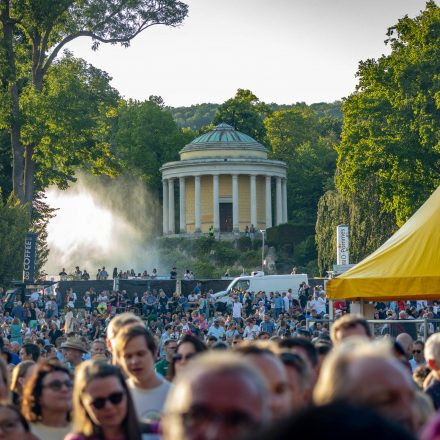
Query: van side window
{"x": 242, "y": 285}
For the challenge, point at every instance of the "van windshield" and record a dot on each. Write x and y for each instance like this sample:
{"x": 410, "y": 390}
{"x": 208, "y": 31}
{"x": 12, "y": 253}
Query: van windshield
{"x": 239, "y": 285}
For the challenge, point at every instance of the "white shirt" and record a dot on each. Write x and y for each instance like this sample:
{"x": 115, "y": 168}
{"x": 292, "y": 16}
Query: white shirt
{"x": 50, "y": 432}
{"x": 236, "y": 309}
{"x": 218, "y": 332}
{"x": 149, "y": 403}
{"x": 286, "y": 303}
{"x": 251, "y": 332}
{"x": 35, "y": 296}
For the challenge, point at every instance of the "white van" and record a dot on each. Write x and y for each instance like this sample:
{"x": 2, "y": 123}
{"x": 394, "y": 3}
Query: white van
{"x": 258, "y": 282}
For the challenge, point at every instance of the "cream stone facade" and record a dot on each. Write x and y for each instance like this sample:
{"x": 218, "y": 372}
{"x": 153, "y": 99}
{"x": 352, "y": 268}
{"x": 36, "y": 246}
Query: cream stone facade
{"x": 223, "y": 180}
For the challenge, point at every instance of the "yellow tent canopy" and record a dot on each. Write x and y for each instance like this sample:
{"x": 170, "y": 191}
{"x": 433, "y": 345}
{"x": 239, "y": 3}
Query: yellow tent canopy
{"x": 407, "y": 266}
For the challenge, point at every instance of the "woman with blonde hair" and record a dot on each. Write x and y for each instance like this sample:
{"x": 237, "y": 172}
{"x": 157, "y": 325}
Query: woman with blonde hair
{"x": 20, "y": 375}
{"x": 102, "y": 404}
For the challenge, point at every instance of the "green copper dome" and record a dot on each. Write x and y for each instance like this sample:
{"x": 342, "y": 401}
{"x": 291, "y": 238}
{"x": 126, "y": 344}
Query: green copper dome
{"x": 223, "y": 137}
{"x": 223, "y": 133}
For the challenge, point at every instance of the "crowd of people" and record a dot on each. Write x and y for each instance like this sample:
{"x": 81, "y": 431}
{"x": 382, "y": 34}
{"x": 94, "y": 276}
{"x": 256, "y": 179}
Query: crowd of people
{"x": 114, "y": 366}
{"x": 103, "y": 275}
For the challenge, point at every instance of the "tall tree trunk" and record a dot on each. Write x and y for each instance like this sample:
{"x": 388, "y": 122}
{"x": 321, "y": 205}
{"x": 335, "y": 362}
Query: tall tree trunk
{"x": 17, "y": 146}
{"x": 29, "y": 177}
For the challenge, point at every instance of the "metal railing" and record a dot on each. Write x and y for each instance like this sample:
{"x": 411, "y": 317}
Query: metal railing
{"x": 417, "y": 328}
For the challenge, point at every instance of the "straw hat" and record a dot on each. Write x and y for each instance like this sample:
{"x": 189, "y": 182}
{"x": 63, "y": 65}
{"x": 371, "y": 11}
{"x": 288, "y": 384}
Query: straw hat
{"x": 75, "y": 343}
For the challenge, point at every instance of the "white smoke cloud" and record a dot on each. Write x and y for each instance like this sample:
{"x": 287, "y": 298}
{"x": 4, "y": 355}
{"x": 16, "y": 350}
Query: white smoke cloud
{"x": 103, "y": 222}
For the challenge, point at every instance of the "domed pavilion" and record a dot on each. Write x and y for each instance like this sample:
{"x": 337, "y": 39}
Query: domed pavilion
{"x": 226, "y": 181}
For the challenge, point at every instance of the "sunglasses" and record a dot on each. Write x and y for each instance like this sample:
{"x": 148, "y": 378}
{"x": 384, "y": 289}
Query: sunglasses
{"x": 417, "y": 351}
{"x": 57, "y": 385}
{"x": 178, "y": 357}
{"x": 114, "y": 399}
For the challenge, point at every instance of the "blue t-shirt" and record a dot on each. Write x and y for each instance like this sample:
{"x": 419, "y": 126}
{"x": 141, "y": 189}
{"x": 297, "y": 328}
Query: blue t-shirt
{"x": 278, "y": 302}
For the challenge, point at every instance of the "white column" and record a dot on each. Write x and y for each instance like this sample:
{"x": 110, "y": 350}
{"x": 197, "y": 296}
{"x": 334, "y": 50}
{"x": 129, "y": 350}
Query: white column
{"x": 284, "y": 191}
{"x": 197, "y": 205}
{"x": 165, "y": 206}
{"x": 279, "y": 202}
{"x": 254, "y": 200}
{"x": 235, "y": 213}
{"x": 171, "y": 214}
{"x": 182, "y": 205}
{"x": 216, "y": 206}
{"x": 268, "y": 202}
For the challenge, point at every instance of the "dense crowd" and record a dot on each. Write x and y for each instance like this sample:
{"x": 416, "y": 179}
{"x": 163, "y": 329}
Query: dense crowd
{"x": 150, "y": 365}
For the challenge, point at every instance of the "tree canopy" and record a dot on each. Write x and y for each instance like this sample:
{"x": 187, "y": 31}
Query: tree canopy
{"x": 146, "y": 137}
{"x": 32, "y": 34}
{"x": 389, "y": 156}
{"x": 298, "y": 138}
{"x": 392, "y": 122}
{"x": 246, "y": 113}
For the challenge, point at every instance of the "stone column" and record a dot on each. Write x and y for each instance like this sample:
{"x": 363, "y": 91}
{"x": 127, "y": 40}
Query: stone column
{"x": 197, "y": 205}
{"x": 171, "y": 214}
{"x": 216, "y": 206}
{"x": 279, "y": 202}
{"x": 284, "y": 191}
{"x": 235, "y": 212}
{"x": 268, "y": 202}
{"x": 165, "y": 206}
{"x": 253, "y": 179}
{"x": 182, "y": 205}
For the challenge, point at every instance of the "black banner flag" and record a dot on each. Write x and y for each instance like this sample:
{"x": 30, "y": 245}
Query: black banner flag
{"x": 30, "y": 248}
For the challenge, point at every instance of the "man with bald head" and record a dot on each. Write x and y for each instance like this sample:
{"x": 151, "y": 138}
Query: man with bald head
{"x": 366, "y": 373}
{"x": 220, "y": 397}
{"x": 406, "y": 342}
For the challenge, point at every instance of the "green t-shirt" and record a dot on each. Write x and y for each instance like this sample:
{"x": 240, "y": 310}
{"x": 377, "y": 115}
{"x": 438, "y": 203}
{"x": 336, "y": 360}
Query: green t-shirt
{"x": 162, "y": 367}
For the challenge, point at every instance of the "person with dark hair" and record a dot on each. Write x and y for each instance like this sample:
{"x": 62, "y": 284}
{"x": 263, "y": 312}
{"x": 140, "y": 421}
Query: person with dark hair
{"x": 187, "y": 348}
{"x": 304, "y": 347}
{"x": 47, "y": 400}
{"x": 136, "y": 352}
{"x": 13, "y": 425}
{"x": 102, "y": 404}
{"x": 30, "y": 352}
{"x": 336, "y": 421}
{"x": 170, "y": 346}
{"x": 300, "y": 380}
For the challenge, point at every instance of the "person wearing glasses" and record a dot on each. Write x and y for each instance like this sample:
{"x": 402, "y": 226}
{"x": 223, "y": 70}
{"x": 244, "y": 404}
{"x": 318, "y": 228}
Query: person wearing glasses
{"x": 47, "y": 400}
{"x": 102, "y": 405}
{"x": 188, "y": 347}
{"x": 418, "y": 358}
{"x": 222, "y": 396}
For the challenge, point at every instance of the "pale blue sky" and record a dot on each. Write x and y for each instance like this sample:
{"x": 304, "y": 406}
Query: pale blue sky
{"x": 283, "y": 50}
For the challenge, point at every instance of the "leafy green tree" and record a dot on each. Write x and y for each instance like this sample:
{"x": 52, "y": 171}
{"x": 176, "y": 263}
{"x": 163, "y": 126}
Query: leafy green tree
{"x": 295, "y": 138}
{"x": 195, "y": 116}
{"x": 68, "y": 122}
{"x": 5, "y": 164}
{"x": 14, "y": 223}
{"x": 369, "y": 226}
{"x": 32, "y": 34}
{"x": 246, "y": 113}
{"x": 391, "y": 127}
{"x": 145, "y": 138}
